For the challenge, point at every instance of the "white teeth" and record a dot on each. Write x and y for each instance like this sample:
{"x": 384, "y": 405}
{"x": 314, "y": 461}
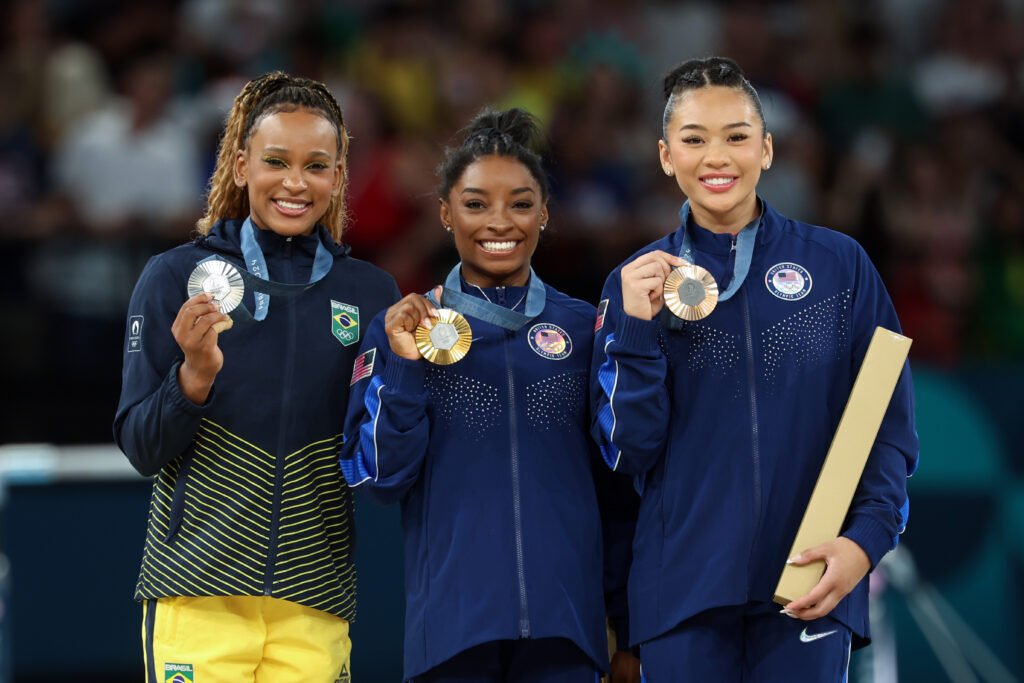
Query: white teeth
{"x": 497, "y": 246}
{"x": 718, "y": 181}
{"x": 290, "y": 205}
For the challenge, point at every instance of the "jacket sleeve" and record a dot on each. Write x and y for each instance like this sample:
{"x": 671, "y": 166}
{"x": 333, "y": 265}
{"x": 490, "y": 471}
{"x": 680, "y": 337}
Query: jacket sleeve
{"x": 387, "y": 429}
{"x": 629, "y": 396}
{"x": 880, "y": 507}
{"x": 154, "y": 422}
{"x": 619, "y": 505}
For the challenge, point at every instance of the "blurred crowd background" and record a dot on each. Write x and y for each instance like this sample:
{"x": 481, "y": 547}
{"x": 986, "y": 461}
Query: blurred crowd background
{"x": 899, "y": 122}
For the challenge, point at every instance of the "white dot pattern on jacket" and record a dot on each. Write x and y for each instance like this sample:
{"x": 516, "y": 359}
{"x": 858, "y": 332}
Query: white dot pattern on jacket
{"x": 457, "y": 397}
{"x": 705, "y": 349}
{"x": 557, "y": 401}
{"x": 807, "y": 339}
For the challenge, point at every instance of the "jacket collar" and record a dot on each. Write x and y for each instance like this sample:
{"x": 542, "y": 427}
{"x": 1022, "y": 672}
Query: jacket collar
{"x": 721, "y": 243}
{"x": 225, "y": 236}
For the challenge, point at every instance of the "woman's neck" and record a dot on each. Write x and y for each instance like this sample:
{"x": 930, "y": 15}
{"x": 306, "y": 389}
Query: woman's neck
{"x": 729, "y": 222}
{"x": 475, "y": 279}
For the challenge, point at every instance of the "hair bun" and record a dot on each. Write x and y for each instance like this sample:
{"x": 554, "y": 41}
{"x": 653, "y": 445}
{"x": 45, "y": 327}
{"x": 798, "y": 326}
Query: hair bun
{"x": 510, "y": 126}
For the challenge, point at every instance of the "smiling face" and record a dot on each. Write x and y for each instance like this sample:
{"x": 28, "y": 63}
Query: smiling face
{"x": 495, "y": 211}
{"x": 292, "y": 171}
{"x": 716, "y": 149}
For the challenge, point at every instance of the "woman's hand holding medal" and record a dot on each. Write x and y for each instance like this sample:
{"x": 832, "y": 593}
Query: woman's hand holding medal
{"x": 402, "y": 319}
{"x": 196, "y": 327}
{"x": 643, "y": 283}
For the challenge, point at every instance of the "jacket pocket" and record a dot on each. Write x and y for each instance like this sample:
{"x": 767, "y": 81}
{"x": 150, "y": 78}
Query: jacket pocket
{"x": 178, "y": 498}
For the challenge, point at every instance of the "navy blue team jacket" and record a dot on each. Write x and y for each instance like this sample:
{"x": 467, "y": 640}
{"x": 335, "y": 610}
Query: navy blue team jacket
{"x": 492, "y": 461}
{"x": 248, "y": 499}
{"x": 725, "y": 423}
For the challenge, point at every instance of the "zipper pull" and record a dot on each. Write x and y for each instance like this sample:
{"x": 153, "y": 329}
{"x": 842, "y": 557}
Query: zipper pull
{"x": 732, "y": 248}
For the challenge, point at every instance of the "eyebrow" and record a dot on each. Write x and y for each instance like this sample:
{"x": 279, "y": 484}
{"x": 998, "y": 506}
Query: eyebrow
{"x": 728, "y": 126}
{"x": 477, "y": 190}
{"x": 285, "y": 150}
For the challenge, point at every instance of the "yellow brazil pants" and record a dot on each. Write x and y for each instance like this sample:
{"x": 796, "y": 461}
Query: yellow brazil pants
{"x": 232, "y": 639}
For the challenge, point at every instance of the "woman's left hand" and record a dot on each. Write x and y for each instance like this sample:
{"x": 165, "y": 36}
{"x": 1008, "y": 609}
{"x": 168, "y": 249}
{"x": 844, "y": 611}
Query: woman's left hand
{"x": 625, "y": 668}
{"x": 845, "y": 565}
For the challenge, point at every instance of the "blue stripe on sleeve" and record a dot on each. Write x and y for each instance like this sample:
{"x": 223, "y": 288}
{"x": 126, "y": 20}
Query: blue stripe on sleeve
{"x": 917, "y": 459}
{"x": 363, "y": 465}
{"x": 901, "y": 523}
{"x": 608, "y": 377}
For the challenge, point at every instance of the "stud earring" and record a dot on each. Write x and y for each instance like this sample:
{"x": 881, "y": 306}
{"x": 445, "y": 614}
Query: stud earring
{"x": 448, "y": 228}
{"x": 668, "y": 171}
{"x": 239, "y": 182}
{"x": 768, "y": 165}
{"x": 542, "y": 226}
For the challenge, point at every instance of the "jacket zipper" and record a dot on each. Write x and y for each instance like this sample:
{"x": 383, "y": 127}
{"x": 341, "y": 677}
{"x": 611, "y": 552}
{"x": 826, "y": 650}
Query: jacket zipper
{"x": 289, "y": 369}
{"x": 755, "y": 448}
{"x": 524, "y": 614}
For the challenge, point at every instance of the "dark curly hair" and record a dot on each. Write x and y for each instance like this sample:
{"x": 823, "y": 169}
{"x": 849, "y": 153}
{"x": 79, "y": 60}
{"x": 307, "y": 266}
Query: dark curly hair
{"x": 512, "y": 133}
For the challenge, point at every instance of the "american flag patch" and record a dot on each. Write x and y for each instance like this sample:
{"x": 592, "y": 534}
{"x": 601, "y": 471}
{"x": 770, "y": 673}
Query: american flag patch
{"x": 363, "y": 366}
{"x": 602, "y": 308}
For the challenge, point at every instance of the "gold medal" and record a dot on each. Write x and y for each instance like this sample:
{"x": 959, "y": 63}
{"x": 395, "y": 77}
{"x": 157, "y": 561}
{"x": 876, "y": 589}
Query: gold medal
{"x": 219, "y": 278}
{"x": 447, "y": 341}
{"x": 690, "y": 292}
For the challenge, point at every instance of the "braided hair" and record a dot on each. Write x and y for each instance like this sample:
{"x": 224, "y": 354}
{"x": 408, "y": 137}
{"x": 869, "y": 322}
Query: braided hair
{"x": 512, "y": 133}
{"x": 261, "y": 97}
{"x": 702, "y": 73}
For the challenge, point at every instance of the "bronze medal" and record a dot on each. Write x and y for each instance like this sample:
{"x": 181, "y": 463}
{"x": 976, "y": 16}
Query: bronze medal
{"x": 691, "y": 293}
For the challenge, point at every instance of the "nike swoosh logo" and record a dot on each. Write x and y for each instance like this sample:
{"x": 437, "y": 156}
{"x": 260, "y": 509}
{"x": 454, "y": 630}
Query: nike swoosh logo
{"x": 806, "y": 637}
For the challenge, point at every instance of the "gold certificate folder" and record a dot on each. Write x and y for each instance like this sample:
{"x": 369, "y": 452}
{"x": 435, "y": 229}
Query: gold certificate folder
{"x": 844, "y": 463}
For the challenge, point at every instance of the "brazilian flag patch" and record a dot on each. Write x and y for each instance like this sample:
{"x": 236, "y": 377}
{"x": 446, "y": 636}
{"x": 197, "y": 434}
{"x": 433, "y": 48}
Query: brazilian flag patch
{"x": 178, "y": 673}
{"x": 345, "y": 322}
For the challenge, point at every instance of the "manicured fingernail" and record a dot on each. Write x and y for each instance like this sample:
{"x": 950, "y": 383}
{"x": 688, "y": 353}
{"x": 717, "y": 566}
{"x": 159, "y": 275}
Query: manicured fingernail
{"x": 426, "y": 323}
{"x": 793, "y": 559}
{"x": 433, "y": 313}
{"x": 787, "y": 613}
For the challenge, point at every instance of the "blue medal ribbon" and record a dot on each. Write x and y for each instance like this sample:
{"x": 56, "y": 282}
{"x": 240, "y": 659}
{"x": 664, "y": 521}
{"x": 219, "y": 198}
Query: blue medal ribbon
{"x": 744, "y": 247}
{"x": 257, "y": 278}
{"x": 453, "y": 297}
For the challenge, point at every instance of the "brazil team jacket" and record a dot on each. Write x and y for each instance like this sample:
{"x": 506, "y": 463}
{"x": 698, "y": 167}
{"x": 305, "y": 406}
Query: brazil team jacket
{"x": 725, "y": 423}
{"x": 492, "y": 461}
{"x": 248, "y": 499}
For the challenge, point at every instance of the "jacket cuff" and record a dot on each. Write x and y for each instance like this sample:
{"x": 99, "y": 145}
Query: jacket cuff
{"x": 182, "y": 402}
{"x": 402, "y": 375}
{"x": 638, "y": 336}
{"x": 875, "y": 539}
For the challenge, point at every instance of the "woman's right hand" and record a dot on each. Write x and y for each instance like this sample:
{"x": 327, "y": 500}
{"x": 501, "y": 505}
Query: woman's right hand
{"x": 643, "y": 283}
{"x": 196, "y": 328}
{"x": 401, "y": 320}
